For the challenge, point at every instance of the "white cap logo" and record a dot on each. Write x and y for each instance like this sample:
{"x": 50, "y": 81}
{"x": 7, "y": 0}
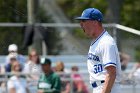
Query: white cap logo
{"x": 13, "y": 47}
{"x": 83, "y": 13}
{"x": 42, "y": 60}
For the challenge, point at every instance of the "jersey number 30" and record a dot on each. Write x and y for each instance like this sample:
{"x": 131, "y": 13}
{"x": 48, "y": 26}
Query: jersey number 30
{"x": 98, "y": 68}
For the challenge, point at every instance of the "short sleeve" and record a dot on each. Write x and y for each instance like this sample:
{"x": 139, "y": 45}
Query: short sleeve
{"x": 57, "y": 83}
{"x": 41, "y": 79}
{"x": 109, "y": 55}
{"x": 10, "y": 84}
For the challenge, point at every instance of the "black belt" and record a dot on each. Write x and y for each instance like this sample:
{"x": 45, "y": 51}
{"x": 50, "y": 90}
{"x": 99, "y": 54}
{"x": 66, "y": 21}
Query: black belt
{"x": 94, "y": 84}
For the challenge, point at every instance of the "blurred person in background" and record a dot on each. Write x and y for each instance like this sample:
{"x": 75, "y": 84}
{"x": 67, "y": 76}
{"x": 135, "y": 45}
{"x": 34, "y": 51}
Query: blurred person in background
{"x": 2, "y": 69}
{"x": 78, "y": 83}
{"x": 124, "y": 59}
{"x": 12, "y": 58}
{"x": 13, "y": 51}
{"x": 8, "y": 67}
{"x": 33, "y": 66}
{"x": 6, "y": 70}
{"x": 17, "y": 82}
{"x": 2, "y": 78}
{"x": 49, "y": 81}
{"x": 135, "y": 74}
{"x": 61, "y": 67}
{"x": 64, "y": 75}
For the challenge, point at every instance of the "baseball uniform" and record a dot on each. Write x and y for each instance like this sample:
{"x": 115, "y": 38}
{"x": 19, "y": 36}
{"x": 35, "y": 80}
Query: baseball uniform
{"x": 103, "y": 52}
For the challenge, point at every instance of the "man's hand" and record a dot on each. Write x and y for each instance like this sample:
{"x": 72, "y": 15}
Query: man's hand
{"x": 40, "y": 91}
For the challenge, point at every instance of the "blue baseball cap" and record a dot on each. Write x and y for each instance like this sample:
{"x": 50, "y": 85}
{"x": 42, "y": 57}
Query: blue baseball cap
{"x": 91, "y": 14}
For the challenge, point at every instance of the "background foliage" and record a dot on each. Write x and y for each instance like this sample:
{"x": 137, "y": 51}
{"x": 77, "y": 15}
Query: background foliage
{"x": 15, "y": 11}
{"x": 73, "y": 8}
{"x": 12, "y": 11}
{"x": 129, "y": 14}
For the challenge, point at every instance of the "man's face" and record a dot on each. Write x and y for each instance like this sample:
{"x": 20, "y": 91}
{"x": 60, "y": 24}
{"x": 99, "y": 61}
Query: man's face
{"x": 88, "y": 27}
{"x": 46, "y": 68}
{"x": 33, "y": 56}
{"x": 16, "y": 66}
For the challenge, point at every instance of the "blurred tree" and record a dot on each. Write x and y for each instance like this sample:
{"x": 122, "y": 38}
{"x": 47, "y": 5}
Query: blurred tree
{"x": 130, "y": 14}
{"x": 113, "y": 11}
{"x": 126, "y": 12}
{"x": 137, "y": 53}
{"x": 12, "y": 11}
{"x": 16, "y": 11}
{"x": 73, "y": 8}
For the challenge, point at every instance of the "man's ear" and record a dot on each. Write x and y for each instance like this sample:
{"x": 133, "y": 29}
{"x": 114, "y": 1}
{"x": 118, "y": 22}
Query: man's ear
{"x": 96, "y": 22}
{"x": 93, "y": 22}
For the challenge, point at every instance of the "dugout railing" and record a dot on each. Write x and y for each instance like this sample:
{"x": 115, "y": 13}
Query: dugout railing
{"x": 127, "y": 85}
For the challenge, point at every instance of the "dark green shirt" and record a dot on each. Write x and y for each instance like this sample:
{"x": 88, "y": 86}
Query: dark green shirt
{"x": 49, "y": 83}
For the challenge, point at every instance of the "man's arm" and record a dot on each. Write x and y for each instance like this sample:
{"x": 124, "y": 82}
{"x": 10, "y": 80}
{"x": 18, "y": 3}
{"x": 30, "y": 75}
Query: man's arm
{"x": 40, "y": 91}
{"x": 12, "y": 90}
{"x": 57, "y": 85}
{"x": 109, "y": 79}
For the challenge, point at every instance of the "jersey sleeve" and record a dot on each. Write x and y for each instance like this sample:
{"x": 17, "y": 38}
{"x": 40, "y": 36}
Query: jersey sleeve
{"x": 39, "y": 81}
{"x": 109, "y": 55}
{"x": 57, "y": 84}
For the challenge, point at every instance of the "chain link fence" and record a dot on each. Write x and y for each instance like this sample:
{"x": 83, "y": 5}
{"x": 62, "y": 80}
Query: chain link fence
{"x": 74, "y": 46}
{"x": 128, "y": 85}
{"x": 66, "y": 39}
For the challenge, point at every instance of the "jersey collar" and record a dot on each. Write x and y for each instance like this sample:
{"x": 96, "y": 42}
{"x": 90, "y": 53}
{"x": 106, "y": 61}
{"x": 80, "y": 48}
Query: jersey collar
{"x": 98, "y": 38}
